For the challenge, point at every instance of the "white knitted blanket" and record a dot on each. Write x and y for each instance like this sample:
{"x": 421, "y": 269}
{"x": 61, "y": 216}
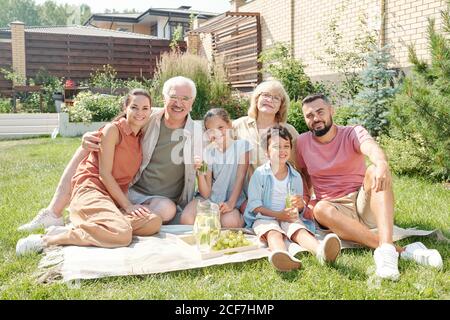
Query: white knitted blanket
{"x": 163, "y": 252}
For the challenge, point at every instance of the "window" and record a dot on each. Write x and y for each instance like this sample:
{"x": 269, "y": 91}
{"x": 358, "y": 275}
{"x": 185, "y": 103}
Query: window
{"x": 174, "y": 25}
{"x": 154, "y": 30}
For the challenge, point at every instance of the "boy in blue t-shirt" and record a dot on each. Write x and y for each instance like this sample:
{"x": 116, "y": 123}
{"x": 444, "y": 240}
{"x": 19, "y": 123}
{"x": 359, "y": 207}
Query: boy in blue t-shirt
{"x": 274, "y": 201}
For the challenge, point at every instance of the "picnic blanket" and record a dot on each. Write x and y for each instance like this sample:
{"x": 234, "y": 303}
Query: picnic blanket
{"x": 163, "y": 252}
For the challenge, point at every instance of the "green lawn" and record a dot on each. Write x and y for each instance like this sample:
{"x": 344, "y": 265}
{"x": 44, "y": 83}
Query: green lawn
{"x": 30, "y": 170}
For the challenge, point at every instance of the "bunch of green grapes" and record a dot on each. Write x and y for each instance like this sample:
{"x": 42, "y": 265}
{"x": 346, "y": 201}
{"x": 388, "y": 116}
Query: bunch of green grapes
{"x": 230, "y": 239}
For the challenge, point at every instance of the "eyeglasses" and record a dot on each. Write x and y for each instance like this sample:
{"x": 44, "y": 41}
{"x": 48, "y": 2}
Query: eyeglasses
{"x": 182, "y": 98}
{"x": 274, "y": 98}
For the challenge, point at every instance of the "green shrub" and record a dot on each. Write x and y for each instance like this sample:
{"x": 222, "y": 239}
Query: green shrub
{"x": 50, "y": 84}
{"x": 13, "y": 76}
{"x": 177, "y": 36}
{"x": 421, "y": 112}
{"x": 295, "y": 117}
{"x": 145, "y": 84}
{"x": 404, "y": 156}
{"x": 236, "y": 105}
{"x": 89, "y": 107}
{"x": 212, "y": 89}
{"x": 281, "y": 64}
{"x": 346, "y": 60}
{"x": 105, "y": 78}
{"x": 345, "y": 115}
{"x": 31, "y": 102}
{"x": 5, "y": 105}
{"x": 196, "y": 68}
{"x": 379, "y": 86}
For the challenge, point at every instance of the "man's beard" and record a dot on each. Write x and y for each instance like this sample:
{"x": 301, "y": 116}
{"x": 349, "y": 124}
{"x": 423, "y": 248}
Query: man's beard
{"x": 324, "y": 131}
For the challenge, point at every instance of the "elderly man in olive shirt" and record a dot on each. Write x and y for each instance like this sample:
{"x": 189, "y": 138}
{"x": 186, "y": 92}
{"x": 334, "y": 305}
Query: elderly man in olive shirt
{"x": 166, "y": 177}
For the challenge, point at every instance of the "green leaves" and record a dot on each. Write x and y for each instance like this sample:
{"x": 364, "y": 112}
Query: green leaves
{"x": 280, "y": 63}
{"x": 48, "y": 13}
{"x": 379, "y": 86}
{"x": 89, "y": 107}
{"x": 212, "y": 89}
{"x": 421, "y": 112}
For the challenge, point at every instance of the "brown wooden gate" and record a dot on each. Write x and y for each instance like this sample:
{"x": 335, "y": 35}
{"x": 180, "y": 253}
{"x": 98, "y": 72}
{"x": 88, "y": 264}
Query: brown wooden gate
{"x": 236, "y": 42}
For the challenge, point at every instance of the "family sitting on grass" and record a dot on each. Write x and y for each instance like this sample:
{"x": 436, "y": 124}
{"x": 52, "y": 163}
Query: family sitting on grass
{"x": 139, "y": 171}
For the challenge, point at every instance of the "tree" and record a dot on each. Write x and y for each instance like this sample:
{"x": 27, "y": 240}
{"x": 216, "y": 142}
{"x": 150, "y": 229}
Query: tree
{"x": 47, "y": 14}
{"x": 379, "y": 87}
{"x": 86, "y": 13}
{"x": 22, "y": 10}
{"x": 346, "y": 60}
{"x": 51, "y": 14}
{"x": 177, "y": 36}
{"x": 130, "y": 11}
{"x": 421, "y": 112}
{"x": 279, "y": 62}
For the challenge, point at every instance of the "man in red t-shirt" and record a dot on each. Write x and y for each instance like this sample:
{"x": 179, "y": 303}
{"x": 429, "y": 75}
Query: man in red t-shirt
{"x": 351, "y": 199}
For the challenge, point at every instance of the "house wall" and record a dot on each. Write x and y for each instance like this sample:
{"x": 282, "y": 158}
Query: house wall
{"x": 162, "y": 26}
{"x": 302, "y": 21}
{"x": 407, "y": 22}
{"x": 137, "y": 28}
{"x": 275, "y": 21}
{"x": 141, "y": 28}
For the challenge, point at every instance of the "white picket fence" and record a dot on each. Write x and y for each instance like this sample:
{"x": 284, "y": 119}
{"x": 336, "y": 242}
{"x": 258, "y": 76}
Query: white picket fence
{"x": 24, "y": 125}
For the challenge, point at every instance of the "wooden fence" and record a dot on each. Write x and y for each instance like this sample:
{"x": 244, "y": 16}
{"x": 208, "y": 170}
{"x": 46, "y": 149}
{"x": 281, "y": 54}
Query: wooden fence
{"x": 236, "y": 43}
{"x": 5, "y": 63}
{"x": 77, "y": 56}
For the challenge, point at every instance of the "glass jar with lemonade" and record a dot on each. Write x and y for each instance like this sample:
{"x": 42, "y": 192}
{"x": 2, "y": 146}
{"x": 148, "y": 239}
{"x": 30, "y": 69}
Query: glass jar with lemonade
{"x": 206, "y": 228}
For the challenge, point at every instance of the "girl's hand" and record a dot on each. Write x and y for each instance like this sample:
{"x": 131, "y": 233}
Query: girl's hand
{"x": 197, "y": 162}
{"x": 225, "y": 207}
{"x": 288, "y": 215}
{"x": 138, "y": 211}
{"x": 297, "y": 202}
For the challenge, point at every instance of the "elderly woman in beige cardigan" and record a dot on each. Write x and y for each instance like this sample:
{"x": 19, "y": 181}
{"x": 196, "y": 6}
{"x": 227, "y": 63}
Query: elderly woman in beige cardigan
{"x": 269, "y": 105}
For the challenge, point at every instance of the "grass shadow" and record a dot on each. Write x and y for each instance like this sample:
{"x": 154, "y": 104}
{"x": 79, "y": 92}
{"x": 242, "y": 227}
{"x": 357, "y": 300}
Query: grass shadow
{"x": 291, "y": 276}
{"x": 349, "y": 272}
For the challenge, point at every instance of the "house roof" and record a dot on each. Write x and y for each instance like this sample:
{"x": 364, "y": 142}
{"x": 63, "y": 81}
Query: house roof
{"x": 181, "y": 12}
{"x": 121, "y": 15}
{"x": 84, "y": 31}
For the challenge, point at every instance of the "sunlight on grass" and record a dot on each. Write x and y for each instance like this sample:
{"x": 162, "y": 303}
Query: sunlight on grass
{"x": 29, "y": 173}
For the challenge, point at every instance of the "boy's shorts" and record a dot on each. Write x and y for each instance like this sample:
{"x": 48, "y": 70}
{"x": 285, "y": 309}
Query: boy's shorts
{"x": 262, "y": 226}
{"x": 355, "y": 205}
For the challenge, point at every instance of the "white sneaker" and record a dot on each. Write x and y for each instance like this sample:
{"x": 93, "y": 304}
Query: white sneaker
{"x": 329, "y": 249}
{"x": 45, "y": 218}
{"x": 386, "y": 261}
{"x": 283, "y": 261}
{"x": 32, "y": 243}
{"x": 418, "y": 252}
